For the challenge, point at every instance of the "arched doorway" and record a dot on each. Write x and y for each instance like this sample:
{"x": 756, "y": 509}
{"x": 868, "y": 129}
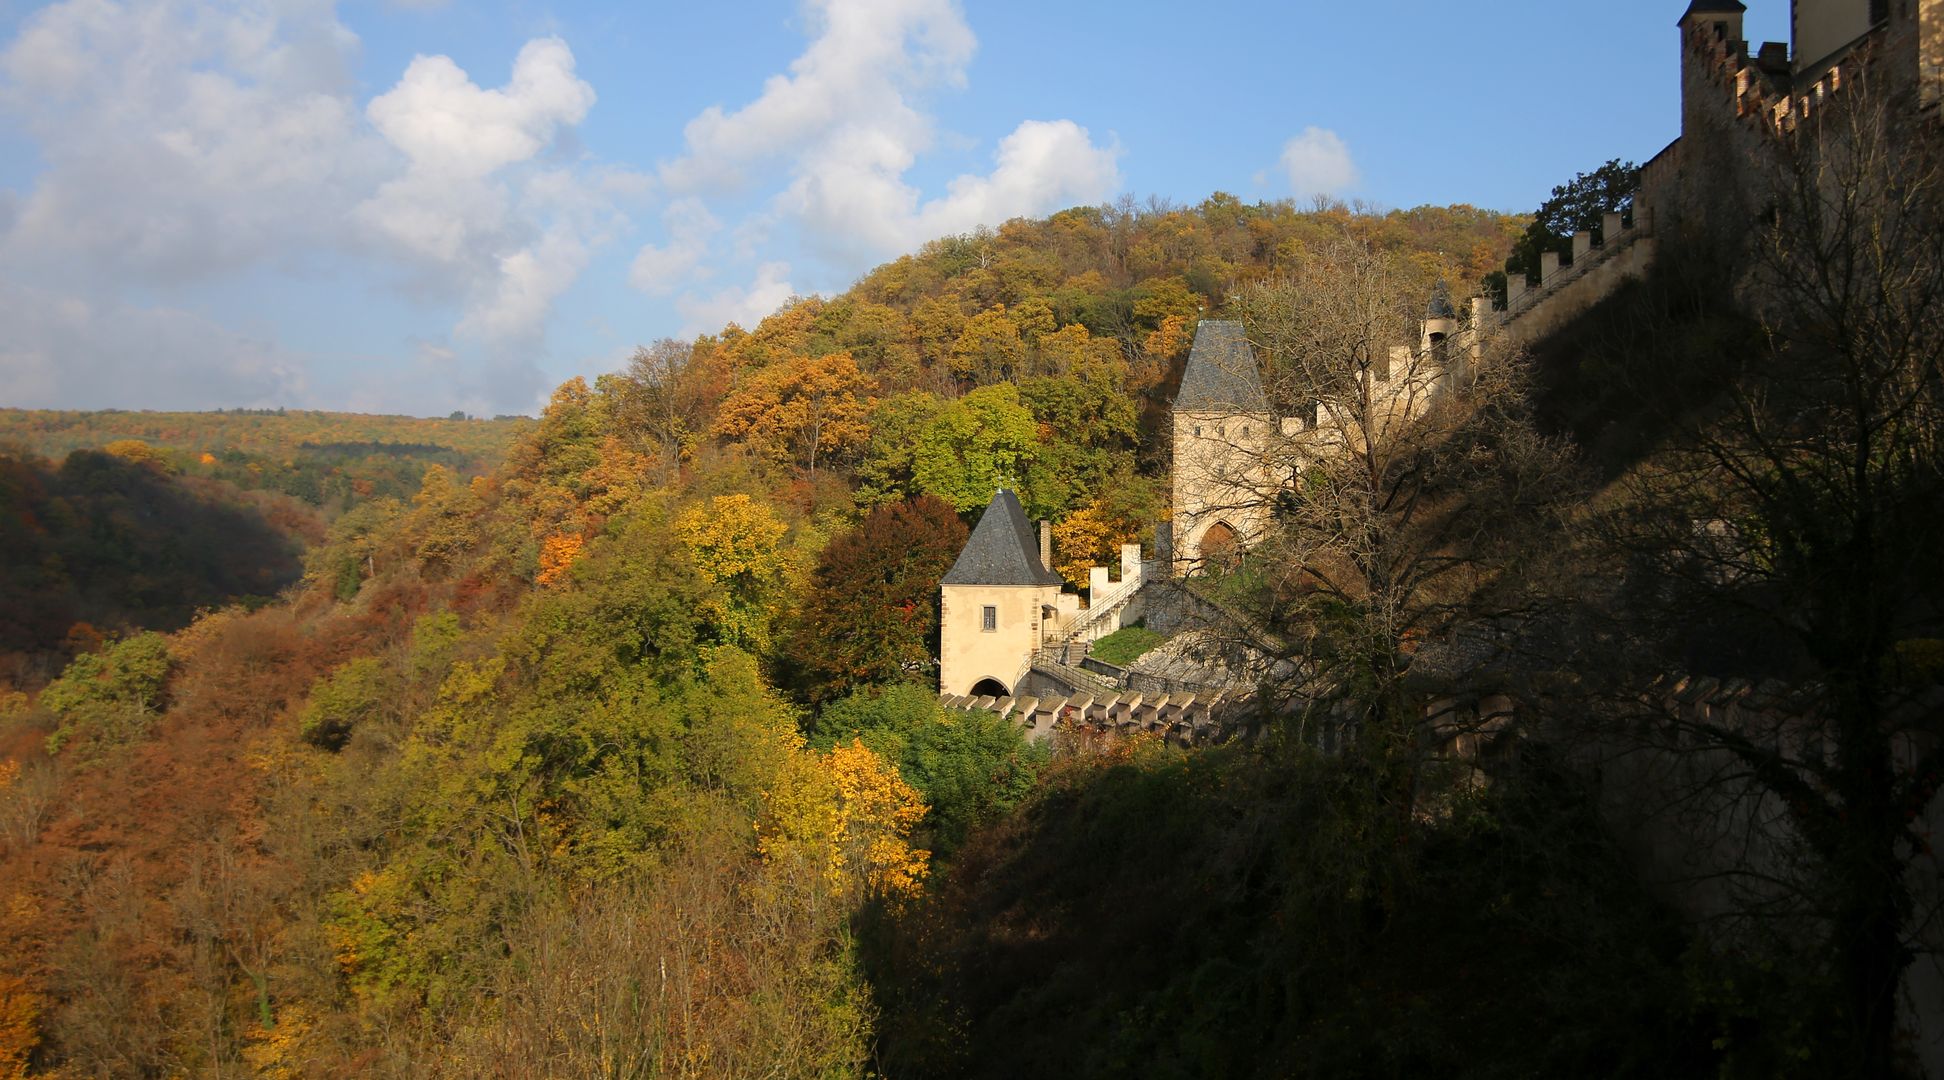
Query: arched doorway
{"x": 1219, "y": 550}
{"x": 991, "y": 688}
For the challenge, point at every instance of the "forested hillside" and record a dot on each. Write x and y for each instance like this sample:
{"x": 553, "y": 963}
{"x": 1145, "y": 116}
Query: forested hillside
{"x": 329, "y": 460}
{"x": 308, "y": 838}
{"x": 623, "y": 757}
{"x": 112, "y": 542}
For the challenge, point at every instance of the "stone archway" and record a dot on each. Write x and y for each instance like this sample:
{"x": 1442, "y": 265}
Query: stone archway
{"x": 991, "y": 688}
{"x": 1220, "y": 547}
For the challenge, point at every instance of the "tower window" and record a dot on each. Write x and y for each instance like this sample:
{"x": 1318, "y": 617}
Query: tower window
{"x": 989, "y": 618}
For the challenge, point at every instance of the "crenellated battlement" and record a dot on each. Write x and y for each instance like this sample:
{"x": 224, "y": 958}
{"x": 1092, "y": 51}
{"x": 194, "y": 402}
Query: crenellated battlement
{"x": 1762, "y": 88}
{"x": 1180, "y": 719}
{"x": 1618, "y": 235}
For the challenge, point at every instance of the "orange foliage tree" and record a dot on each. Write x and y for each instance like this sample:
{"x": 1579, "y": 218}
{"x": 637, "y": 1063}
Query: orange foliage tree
{"x": 802, "y": 409}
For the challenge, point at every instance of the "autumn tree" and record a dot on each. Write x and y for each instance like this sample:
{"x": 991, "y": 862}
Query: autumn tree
{"x": 736, "y": 544}
{"x": 663, "y": 402}
{"x": 801, "y": 409}
{"x": 871, "y": 613}
{"x": 971, "y": 768}
{"x": 1403, "y": 509}
{"x": 989, "y": 349}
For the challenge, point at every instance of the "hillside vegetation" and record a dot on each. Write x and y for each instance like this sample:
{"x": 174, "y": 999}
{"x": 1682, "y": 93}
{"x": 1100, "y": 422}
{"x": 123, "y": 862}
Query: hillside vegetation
{"x": 330, "y": 460}
{"x": 314, "y": 837}
{"x": 622, "y": 757}
{"x": 109, "y": 543}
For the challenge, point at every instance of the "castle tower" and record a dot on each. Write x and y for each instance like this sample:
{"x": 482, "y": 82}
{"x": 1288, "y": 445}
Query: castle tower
{"x": 1710, "y": 28}
{"x": 995, "y": 605}
{"x": 1447, "y": 343}
{"x": 1222, "y": 432}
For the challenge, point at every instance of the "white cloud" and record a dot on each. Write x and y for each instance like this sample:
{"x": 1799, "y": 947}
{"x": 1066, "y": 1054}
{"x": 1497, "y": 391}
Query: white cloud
{"x": 846, "y": 125}
{"x": 660, "y": 269}
{"x": 199, "y": 141}
{"x": 852, "y": 200}
{"x": 181, "y": 140}
{"x": 449, "y": 207}
{"x": 1318, "y": 163}
{"x": 743, "y": 305}
{"x": 63, "y": 351}
{"x": 864, "y": 58}
{"x": 528, "y": 282}
{"x": 452, "y": 129}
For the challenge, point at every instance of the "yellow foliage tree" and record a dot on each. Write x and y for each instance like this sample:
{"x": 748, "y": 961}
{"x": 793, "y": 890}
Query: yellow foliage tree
{"x": 20, "y": 1010}
{"x": 137, "y": 451}
{"x": 989, "y": 349}
{"x": 850, "y": 814}
{"x": 1072, "y": 351}
{"x": 735, "y": 541}
{"x": 615, "y": 480}
{"x": 1087, "y": 538}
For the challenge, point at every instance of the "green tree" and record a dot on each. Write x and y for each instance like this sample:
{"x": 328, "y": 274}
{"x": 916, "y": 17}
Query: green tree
{"x": 974, "y": 446}
{"x": 888, "y": 471}
{"x": 110, "y": 695}
{"x": 970, "y": 767}
{"x": 1577, "y": 206}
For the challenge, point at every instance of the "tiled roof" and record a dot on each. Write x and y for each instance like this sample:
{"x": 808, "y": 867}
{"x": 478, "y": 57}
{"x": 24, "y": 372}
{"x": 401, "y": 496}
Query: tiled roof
{"x": 1221, "y": 374}
{"x": 1002, "y": 550}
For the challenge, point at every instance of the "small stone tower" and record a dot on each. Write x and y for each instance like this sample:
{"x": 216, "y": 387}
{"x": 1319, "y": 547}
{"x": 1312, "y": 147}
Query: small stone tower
{"x": 996, "y": 605}
{"x": 1709, "y": 28}
{"x": 1223, "y": 430}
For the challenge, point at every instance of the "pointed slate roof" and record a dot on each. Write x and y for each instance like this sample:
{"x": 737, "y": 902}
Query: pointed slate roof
{"x": 1440, "y": 305}
{"x": 1221, "y": 375}
{"x": 1002, "y": 550}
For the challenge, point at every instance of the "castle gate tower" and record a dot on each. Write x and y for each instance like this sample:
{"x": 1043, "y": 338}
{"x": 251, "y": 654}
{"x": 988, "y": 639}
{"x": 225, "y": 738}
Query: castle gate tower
{"x": 1222, "y": 434}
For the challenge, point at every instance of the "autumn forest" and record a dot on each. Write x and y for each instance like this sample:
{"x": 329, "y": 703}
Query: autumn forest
{"x": 609, "y": 743}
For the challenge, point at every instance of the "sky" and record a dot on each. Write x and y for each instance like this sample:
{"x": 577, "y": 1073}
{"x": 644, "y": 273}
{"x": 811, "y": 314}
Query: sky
{"x": 420, "y": 206}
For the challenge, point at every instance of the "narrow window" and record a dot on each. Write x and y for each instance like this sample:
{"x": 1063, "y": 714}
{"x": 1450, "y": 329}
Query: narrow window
{"x": 989, "y": 619}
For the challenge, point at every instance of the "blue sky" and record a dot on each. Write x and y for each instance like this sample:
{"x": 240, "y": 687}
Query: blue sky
{"x": 419, "y": 206}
